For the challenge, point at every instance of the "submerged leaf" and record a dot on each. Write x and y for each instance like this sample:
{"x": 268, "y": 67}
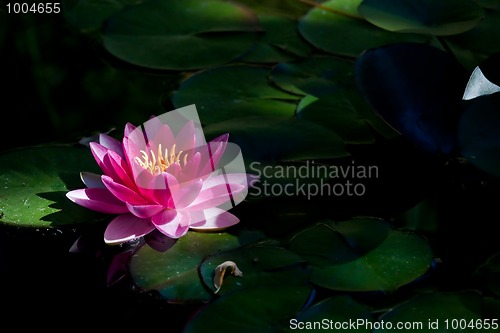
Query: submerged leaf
{"x": 417, "y": 89}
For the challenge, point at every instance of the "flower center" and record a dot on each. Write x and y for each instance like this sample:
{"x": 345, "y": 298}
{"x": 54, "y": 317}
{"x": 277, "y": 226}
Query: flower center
{"x": 159, "y": 162}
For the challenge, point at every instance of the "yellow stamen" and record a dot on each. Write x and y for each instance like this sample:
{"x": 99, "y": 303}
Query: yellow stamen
{"x": 159, "y": 162}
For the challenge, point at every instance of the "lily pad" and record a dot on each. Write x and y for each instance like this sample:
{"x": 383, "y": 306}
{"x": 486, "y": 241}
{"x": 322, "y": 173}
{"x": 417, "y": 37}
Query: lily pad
{"x": 439, "y": 18}
{"x": 440, "y": 312}
{"x": 417, "y": 89}
{"x": 290, "y": 8}
{"x": 481, "y": 41}
{"x": 362, "y": 254}
{"x": 490, "y": 273}
{"x": 175, "y": 35}
{"x": 174, "y": 273}
{"x": 268, "y": 139}
{"x": 336, "y": 27}
{"x": 334, "y": 313}
{"x": 260, "y": 266}
{"x": 234, "y": 91}
{"x": 280, "y": 41}
{"x": 89, "y": 15}
{"x": 317, "y": 75}
{"x": 261, "y": 309}
{"x": 34, "y": 183}
{"x": 338, "y": 114}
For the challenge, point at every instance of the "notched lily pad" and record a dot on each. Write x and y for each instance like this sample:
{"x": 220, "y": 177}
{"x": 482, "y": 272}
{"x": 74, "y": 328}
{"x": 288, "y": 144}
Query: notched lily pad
{"x": 173, "y": 35}
{"x": 337, "y": 28}
{"x": 363, "y": 254}
{"x": 265, "y": 309}
{"x": 34, "y": 183}
{"x": 174, "y": 273}
{"x": 444, "y": 17}
{"x": 234, "y": 91}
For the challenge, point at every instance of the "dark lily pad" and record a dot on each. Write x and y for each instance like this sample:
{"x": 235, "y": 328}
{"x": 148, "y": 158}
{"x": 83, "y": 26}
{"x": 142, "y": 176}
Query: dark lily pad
{"x": 444, "y": 17}
{"x": 234, "y": 91}
{"x": 478, "y": 133}
{"x": 279, "y": 42}
{"x": 338, "y": 114}
{"x": 34, "y": 182}
{"x": 261, "y": 309}
{"x": 362, "y": 254}
{"x": 336, "y": 27}
{"x": 174, "y": 273}
{"x": 317, "y": 75}
{"x": 489, "y": 272}
{"x": 290, "y": 8}
{"x": 417, "y": 89}
{"x": 440, "y": 312}
{"x": 267, "y": 139}
{"x": 89, "y": 15}
{"x": 183, "y": 35}
{"x": 334, "y": 314}
{"x": 481, "y": 41}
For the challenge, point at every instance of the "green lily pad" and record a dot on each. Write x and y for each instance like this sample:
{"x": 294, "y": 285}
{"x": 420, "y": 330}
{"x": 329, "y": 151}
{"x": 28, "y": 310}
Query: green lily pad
{"x": 490, "y": 272}
{"x": 481, "y": 41}
{"x": 334, "y": 314}
{"x": 290, "y": 8}
{"x": 338, "y": 114}
{"x": 440, "y": 312}
{"x": 261, "y": 266}
{"x": 280, "y": 41}
{"x": 363, "y": 254}
{"x": 267, "y": 139}
{"x": 439, "y": 18}
{"x": 261, "y": 309}
{"x": 34, "y": 182}
{"x": 317, "y": 75}
{"x": 174, "y": 273}
{"x": 331, "y": 81}
{"x": 175, "y": 35}
{"x": 90, "y": 14}
{"x": 337, "y": 28}
{"x": 421, "y": 217}
{"x": 234, "y": 91}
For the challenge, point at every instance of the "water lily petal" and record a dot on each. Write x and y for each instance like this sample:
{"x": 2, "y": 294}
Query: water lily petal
{"x": 126, "y": 227}
{"x": 97, "y": 199}
{"x": 122, "y": 192}
{"x": 121, "y": 170}
{"x": 144, "y": 211}
{"x": 129, "y": 128}
{"x": 92, "y": 180}
{"x": 172, "y": 223}
{"x": 186, "y": 193}
{"x": 226, "y": 178}
{"x": 157, "y": 132}
{"x": 190, "y": 170}
{"x": 220, "y": 221}
{"x": 111, "y": 143}
{"x": 99, "y": 151}
{"x": 157, "y": 189}
{"x": 213, "y": 152}
{"x": 215, "y": 196}
{"x": 186, "y": 138}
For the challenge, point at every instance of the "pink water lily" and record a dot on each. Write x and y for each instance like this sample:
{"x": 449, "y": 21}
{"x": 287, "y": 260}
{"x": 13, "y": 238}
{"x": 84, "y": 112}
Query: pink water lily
{"x": 164, "y": 176}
